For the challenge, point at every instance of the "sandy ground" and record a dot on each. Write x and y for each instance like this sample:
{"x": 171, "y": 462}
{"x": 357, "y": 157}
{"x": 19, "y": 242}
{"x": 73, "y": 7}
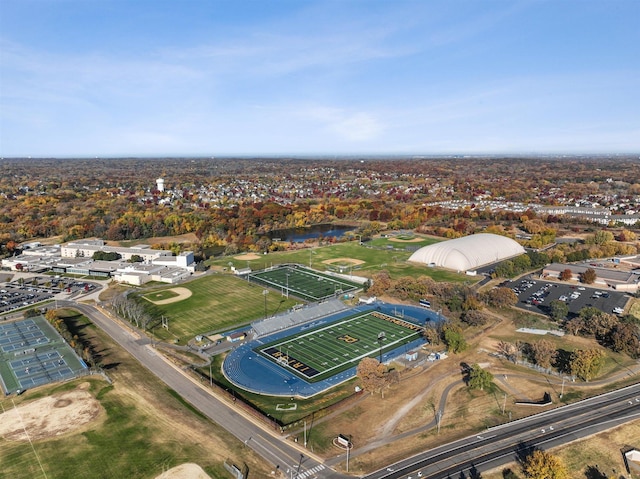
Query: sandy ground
{"x": 50, "y": 416}
{"x": 183, "y": 293}
{"x": 184, "y": 471}
{"x": 247, "y": 257}
{"x": 343, "y": 260}
{"x": 412, "y": 240}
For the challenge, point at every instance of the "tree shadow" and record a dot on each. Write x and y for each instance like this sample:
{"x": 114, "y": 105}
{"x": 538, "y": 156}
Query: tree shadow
{"x": 563, "y": 361}
{"x": 474, "y": 473}
{"x": 509, "y": 474}
{"x": 593, "y": 472}
{"x": 523, "y": 450}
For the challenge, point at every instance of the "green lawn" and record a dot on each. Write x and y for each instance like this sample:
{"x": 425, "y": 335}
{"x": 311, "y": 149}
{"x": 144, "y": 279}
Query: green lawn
{"x": 375, "y": 259}
{"x": 223, "y": 301}
{"x": 269, "y": 405}
{"x": 218, "y": 302}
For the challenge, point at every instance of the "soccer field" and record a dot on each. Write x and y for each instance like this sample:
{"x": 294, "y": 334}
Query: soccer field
{"x": 327, "y": 350}
{"x": 303, "y": 283}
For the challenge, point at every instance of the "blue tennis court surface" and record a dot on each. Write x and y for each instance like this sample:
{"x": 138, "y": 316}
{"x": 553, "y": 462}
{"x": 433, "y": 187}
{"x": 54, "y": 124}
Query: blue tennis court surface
{"x": 32, "y": 353}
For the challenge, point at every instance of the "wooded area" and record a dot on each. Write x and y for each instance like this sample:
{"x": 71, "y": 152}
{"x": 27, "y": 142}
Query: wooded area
{"x": 235, "y": 202}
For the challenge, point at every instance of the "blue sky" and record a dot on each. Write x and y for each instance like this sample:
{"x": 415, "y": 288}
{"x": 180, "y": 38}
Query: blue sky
{"x": 270, "y": 77}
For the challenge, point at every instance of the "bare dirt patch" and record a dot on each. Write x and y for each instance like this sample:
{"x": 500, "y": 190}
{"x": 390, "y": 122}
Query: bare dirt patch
{"x": 188, "y": 470}
{"x": 183, "y": 293}
{"x": 352, "y": 261}
{"x": 412, "y": 240}
{"x": 247, "y": 257}
{"x": 50, "y": 416}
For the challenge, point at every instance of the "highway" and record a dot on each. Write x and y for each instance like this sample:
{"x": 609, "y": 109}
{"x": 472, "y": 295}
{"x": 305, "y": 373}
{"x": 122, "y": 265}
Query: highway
{"x": 503, "y": 444}
{"x": 492, "y": 448}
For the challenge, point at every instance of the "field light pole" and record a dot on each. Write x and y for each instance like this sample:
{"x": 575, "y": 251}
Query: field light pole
{"x": 287, "y": 285}
{"x": 381, "y": 336}
{"x": 265, "y": 292}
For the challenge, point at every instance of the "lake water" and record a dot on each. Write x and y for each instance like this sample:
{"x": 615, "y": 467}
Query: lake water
{"x": 299, "y": 235}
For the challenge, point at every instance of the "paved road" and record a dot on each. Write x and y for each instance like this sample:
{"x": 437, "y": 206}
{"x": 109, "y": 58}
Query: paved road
{"x": 279, "y": 452}
{"x": 501, "y": 445}
{"x": 488, "y": 450}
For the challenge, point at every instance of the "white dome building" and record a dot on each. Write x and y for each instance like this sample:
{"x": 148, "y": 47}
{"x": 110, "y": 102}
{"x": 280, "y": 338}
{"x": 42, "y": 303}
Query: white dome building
{"x": 469, "y": 252}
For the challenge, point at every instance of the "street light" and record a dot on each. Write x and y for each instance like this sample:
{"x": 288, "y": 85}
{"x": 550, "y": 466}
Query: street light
{"x": 381, "y": 336}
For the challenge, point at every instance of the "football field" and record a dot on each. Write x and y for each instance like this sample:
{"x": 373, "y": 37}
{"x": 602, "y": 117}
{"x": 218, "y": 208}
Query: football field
{"x": 318, "y": 353}
{"x": 302, "y": 282}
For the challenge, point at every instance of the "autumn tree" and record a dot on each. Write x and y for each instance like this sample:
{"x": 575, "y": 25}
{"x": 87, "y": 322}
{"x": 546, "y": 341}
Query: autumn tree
{"x": 624, "y": 338}
{"x": 372, "y": 374}
{"x": 574, "y": 325}
{"x": 600, "y": 325}
{"x": 543, "y": 353}
{"x": 51, "y": 315}
{"x": 566, "y": 274}
{"x": 600, "y": 237}
{"x": 626, "y": 235}
{"x": 588, "y": 276}
{"x": 508, "y": 350}
{"x": 432, "y": 335}
{"x": 479, "y": 378}
{"x": 586, "y": 363}
{"x": 543, "y": 465}
{"x": 501, "y": 297}
{"x": 474, "y": 318}
{"x": 381, "y": 283}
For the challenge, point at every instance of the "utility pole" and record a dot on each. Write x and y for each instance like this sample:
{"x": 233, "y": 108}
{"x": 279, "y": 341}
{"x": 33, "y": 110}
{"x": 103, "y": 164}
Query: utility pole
{"x": 562, "y": 390}
{"x": 438, "y": 419}
{"x": 504, "y": 404}
{"x": 305, "y": 434}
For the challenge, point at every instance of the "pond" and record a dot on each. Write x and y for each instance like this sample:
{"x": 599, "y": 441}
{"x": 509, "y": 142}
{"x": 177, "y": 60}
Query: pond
{"x": 299, "y": 235}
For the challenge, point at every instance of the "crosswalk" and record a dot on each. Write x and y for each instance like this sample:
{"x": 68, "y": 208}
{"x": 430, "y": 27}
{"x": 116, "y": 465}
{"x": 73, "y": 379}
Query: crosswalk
{"x": 309, "y": 473}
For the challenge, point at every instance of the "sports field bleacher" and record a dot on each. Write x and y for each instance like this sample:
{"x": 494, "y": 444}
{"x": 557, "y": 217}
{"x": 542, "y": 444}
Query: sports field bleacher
{"x": 297, "y": 316}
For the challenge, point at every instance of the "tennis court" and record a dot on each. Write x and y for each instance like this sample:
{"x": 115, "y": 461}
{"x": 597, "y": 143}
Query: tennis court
{"x": 325, "y": 351}
{"x": 32, "y": 353}
{"x": 304, "y": 283}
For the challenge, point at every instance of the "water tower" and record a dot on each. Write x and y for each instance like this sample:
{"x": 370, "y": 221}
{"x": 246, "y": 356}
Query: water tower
{"x": 160, "y": 184}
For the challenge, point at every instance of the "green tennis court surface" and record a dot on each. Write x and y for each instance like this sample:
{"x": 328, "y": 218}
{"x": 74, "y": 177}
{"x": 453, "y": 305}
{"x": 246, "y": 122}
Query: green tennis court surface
{"x": 325, "y": 351}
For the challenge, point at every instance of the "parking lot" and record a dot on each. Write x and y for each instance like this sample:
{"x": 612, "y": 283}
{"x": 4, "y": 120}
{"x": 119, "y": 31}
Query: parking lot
{"x": 536, "y": 295}
{"x": 15, "y": 295}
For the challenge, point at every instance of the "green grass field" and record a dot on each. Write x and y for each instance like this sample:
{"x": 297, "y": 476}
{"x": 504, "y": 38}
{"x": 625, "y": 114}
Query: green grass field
{"x": 327, "y": 350}
{"x": 303, "y": 283}
{"x": 218, "y": 303}
{"x": 374, "y": 260}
